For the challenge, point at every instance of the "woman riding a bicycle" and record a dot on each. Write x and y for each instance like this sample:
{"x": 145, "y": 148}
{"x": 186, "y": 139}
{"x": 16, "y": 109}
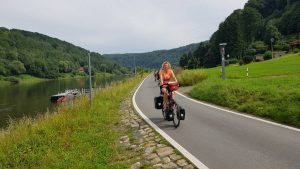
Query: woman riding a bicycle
{"x": 167, "y": 77}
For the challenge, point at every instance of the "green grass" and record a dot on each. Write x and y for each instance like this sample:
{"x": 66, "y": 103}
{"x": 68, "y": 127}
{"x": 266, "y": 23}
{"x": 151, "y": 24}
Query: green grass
{"x": 272, "y": 89}
{"x": 25, "y": 78}
{"x": 75, "y": 137}
{"x": 191, "y": 77}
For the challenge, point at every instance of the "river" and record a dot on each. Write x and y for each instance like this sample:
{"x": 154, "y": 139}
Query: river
{"x": 30, "y": 99}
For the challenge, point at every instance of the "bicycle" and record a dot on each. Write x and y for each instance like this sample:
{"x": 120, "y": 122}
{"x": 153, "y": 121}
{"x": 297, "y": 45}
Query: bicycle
{"x": 173, "y": 112}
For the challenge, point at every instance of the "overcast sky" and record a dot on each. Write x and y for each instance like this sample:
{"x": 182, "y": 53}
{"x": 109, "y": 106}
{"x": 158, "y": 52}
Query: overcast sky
{"x": 120, "y": 26}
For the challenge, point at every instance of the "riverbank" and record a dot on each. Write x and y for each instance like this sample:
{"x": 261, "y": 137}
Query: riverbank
{"x": 71, "y": 76}
{"x": 74, "y": 137}
{"x": 25, "y": 78}
{"x": 81, "y": 137}
{"x": 271, "y": 89}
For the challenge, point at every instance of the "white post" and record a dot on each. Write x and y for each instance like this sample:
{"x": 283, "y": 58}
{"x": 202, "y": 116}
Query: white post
{"x": 90, "y": 76}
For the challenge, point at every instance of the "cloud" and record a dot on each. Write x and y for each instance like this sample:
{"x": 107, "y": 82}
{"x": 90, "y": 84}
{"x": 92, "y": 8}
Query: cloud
{"x": 119, "y": 26}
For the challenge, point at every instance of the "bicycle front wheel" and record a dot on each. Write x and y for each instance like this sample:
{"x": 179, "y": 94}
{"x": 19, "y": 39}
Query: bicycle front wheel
{"x": 176, "y": 113}
{"x": 164, "y": 114}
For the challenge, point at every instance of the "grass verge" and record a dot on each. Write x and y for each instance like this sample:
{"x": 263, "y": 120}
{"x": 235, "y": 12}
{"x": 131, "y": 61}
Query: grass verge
{"x": 25, "y": 78}
{"x": 191, "y": 77}
{"x": 271, "y": 91}
{"x": 75, "y": 137}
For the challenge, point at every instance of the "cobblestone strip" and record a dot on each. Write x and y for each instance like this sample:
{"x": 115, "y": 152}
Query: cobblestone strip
{"x": 155, "y": 152}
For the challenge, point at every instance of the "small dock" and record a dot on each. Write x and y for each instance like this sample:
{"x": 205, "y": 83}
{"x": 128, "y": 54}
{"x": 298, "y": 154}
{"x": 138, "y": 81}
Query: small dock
{"x": 67, "y": 95}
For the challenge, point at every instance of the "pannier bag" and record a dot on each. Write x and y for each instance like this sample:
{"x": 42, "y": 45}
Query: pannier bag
{"x": 181, "y": 113}
{"x": 169, "y": 115}
{"x": 158, "y": 102}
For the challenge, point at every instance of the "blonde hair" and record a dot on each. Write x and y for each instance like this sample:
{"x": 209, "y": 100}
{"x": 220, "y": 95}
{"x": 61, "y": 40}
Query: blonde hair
{"x": 166, "y": 62}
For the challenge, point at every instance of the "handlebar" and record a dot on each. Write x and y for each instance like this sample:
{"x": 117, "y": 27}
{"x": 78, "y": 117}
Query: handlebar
{"x": 169, "y": 83}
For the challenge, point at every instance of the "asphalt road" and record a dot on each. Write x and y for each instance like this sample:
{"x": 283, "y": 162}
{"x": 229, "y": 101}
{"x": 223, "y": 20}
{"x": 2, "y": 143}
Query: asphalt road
{"x": 223, "y": 140}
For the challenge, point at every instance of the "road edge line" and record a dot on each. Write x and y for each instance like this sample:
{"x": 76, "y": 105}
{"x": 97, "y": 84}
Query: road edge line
{"x": 240, "y": 114}
{"x": 177, "y": 146}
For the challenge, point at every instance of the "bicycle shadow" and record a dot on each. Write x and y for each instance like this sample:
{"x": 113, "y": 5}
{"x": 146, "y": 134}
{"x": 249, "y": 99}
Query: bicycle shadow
{"x": 163, "y": 124}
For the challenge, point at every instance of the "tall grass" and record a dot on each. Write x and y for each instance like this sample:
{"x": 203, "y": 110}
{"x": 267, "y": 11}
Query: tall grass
{"x": 75, "y": 137}
{"x": 191, "y": 77}
{"x": 272, "y": 89}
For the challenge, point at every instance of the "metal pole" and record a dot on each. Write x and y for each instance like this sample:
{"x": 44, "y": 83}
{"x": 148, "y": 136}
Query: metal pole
{"x": 272, "y": 49}
{"x": 223, "y": 66}
{"x": 222, "y": 51}
{"x": 272, "y": 40}
{"x": 104, "y": 77}
{"x": 90, "y": 77}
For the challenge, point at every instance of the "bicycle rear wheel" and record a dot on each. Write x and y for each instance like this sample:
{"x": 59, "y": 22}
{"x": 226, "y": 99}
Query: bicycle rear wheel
{"x": 176, "y": 113}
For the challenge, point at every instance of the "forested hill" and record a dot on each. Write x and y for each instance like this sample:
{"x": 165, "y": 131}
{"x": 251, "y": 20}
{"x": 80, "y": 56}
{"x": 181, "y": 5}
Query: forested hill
{"x": 152, "y": 59}
{"x": 249, "y": 31}
{"x": 23, "y": 52}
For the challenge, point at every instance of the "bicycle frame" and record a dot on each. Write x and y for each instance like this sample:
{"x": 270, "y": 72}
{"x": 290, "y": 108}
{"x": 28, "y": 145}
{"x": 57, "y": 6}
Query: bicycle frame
{"x": 171, "y": 109}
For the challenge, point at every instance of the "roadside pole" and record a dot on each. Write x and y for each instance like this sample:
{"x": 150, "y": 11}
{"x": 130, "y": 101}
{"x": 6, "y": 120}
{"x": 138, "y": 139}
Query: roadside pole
{"x": 222, "y": 51}
{"x": 90, "y": 77}
{"x": 272, "y": 40}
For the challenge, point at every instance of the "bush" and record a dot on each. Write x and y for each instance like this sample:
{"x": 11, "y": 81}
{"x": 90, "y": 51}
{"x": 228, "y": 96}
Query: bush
{"x": 232, "y": 61}
{"x": 247, "y": 59}
{"x": 12, "y": 79}
{"x": 296, "y": 50}
{"x": 191, "y": 77}
{"x": 241, "y": 62}
{"x": 259, "y": 46}
{"x": 282, "y": 47}
{"x": 268, "y": 55}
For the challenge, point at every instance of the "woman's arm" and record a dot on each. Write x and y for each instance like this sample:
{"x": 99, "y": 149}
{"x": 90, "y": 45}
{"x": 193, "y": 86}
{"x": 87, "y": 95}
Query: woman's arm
{"x": 173, "y": 75}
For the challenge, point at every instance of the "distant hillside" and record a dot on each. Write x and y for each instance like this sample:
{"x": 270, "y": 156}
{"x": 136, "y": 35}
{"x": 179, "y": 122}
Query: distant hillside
{"x": 249, "y": 31}
{"x": 152, "y": 59}
{"x": 23, "y": 52}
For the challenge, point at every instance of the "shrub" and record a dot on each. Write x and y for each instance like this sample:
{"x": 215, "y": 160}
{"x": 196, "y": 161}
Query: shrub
{"x": 296, "y": 50}
{"x": 177, "y": 70}
{"x": 232, "y": 61}
{"x": 12, "y": 79}
{"x": 259, "y": 46}
{"x": 268, "y": 55}
{"x": 241, "y": 62}
{"x": 191, "y": 77}
{"x": 247, "y": 59}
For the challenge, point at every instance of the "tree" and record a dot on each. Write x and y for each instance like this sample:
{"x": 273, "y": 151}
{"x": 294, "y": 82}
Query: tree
{"x": 259, "y": 46}
{"x": 65, "y": 66}
{"x": 251, "y": 23}
{"x": 201, "y": 53}
{"x": 183, "y": 60}
{"x": 271, "y": 32}
{"x": 16, "y": 67}
{"x": 3, "y": 70}
{"x": 290, "y": 22}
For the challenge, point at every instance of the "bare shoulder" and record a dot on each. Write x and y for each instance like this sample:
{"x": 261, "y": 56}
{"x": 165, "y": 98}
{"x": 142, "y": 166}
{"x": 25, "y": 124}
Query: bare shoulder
{"x": 171, "y": 71}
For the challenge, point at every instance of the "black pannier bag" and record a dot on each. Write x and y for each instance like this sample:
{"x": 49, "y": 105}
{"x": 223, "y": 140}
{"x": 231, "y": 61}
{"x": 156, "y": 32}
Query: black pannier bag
{"x": 181, "y": 113}
{"x": 169, "y": 115}
{"x": 158, "y": 102}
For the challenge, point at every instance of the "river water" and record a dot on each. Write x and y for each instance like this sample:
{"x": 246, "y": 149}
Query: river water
{"x": 30, "y": 99}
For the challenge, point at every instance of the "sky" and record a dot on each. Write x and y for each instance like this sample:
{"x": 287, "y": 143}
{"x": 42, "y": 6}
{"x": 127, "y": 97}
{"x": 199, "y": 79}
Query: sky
{"x": 120, "y": 26}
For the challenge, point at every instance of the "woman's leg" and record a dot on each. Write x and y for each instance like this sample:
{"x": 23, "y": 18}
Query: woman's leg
{"x": 165, "y": 98}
